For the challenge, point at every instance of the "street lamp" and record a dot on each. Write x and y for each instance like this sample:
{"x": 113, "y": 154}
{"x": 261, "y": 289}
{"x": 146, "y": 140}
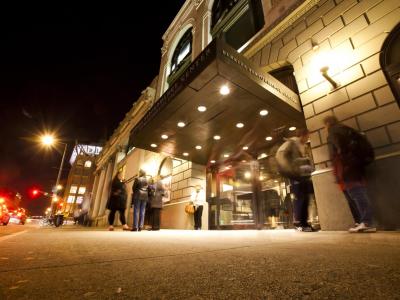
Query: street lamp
{"x": 48, "y": 140}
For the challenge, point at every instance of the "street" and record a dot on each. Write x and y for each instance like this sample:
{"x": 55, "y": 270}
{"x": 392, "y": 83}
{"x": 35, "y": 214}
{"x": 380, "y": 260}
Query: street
{"x": 77, "y": 263}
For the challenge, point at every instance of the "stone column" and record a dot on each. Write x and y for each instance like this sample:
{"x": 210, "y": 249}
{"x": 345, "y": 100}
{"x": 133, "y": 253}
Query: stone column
{"x": 106, "y": 188}
{"x": 93, "y": 193}
{"x": 96, "y": 197}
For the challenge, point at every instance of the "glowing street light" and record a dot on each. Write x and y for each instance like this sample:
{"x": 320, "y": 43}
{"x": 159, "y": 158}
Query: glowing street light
{"x": 47, "y": 140}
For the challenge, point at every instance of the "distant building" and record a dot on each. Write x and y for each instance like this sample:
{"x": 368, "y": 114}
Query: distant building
{"x": 236, "y": 78}
{"x": 81, "y": 176}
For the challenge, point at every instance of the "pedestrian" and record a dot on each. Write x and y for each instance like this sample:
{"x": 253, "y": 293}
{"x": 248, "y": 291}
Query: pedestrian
{"x": 140, "y": 198}
{"x": 157, "y": 204}
{"x": 294, "y": 163}
{"x": 198, "y": 200}
{"x": 117, "y": 202}
{"x": 350, "y": 153}
{"x": 85, "y": 208}
{"x": 148, "y": 212}
{"x": 76, "y": 214}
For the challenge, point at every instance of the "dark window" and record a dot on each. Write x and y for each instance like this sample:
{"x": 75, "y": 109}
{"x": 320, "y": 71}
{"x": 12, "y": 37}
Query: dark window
{"x": 182, "y": 56}
{"x": 286, "y": 76}
{"x": 236, "y": 21}
{"x": 390, "y": 61}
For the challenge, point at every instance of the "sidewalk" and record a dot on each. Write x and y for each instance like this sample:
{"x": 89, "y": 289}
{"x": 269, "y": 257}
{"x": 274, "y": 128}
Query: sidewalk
{"x": 178, "y": 264}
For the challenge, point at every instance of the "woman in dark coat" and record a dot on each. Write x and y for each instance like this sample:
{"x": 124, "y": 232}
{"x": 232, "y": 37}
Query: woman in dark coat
{"x": 117, "y": 202}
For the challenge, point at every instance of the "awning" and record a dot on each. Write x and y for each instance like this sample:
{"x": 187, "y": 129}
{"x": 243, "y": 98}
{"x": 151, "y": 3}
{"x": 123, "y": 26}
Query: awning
{"x": 250, "y": 91}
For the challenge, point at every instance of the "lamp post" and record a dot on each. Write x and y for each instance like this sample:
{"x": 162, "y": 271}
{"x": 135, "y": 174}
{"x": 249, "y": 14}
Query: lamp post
{"x": 49, "y": 140}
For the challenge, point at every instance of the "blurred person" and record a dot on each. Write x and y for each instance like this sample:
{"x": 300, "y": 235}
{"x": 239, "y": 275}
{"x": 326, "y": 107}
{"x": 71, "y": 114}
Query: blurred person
{"x": 148, "y": 211}
{"x": 140, "y": 199}
{"x": 117, "y": 202}
{"x": 85, "y": 208}
{"x": 157, "y": 204}
{"x": 294, "y": 164}
{"x": 76, "y": 214}
{"x": 350, "y": 153}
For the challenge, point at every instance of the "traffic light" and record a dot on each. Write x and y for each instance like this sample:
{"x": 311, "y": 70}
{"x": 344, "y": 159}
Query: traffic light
{"x": 34, "y": 192}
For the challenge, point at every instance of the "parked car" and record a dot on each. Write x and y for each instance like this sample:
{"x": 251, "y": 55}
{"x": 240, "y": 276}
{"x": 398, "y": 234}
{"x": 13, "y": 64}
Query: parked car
{"x": 4, "y": 216}
{"x": 18, "y": 216}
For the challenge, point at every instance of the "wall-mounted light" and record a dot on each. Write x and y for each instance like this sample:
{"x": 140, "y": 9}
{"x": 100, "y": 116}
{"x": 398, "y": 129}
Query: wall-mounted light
{"x": 324, "y": 72}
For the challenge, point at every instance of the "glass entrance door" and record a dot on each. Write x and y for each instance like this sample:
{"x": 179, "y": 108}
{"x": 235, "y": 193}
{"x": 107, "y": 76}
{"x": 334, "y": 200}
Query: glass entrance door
{"x": 235, "y": 196}
{"x": 252, "y": 194}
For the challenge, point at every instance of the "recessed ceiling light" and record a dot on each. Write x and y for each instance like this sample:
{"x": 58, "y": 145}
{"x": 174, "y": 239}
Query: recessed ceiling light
{"x": 185, "y": 154}
{"x": 181, "y": 124}
{"x": 153, "y": 145}
{"x": 261, "y": 177}
{"x": 247, "y": 175}
{"x": 226, "y": 155}
{"x": 224, "y": 90}
{"x": 201, "y": 108}
{"x": 198, "y": 147}
{"x": 262, "y": 155}
{"x": 263, "y": 112}
{"x": 243, "y": 161}
{"x": 245, "y": 148}
{"x": 164, "y": 136}
{"x": 217, "y": 137}
{"x": 212, "y": 161}
{"x": 269, "y": 138}
{"x": 292, "y": 128}
{"x": 239, "y": 125}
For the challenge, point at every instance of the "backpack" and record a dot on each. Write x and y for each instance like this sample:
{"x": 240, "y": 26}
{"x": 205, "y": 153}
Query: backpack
{"x": 360, "y": 146}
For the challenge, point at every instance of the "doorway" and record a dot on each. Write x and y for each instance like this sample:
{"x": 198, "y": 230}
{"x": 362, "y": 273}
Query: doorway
{"x": 249, "y": 193}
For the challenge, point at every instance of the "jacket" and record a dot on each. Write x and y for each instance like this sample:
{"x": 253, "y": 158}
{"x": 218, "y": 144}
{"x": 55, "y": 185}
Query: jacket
{"x": 159, "y": 193}
{"x": 292, "y": 160}
{"x": 117, "y": 199}
{"x": 140, "y": 189}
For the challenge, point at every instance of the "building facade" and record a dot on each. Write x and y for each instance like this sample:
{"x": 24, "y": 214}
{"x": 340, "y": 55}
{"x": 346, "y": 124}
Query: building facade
{"x": 236, "y": 78}
{"x": 80, "y": 180}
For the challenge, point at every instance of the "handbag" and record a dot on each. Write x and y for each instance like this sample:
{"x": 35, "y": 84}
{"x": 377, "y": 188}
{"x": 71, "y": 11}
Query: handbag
{"x": 189, "y": 209}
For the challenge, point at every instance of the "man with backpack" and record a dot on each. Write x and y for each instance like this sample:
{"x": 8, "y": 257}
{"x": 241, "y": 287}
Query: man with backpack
{"x": 294, "y": 164}
{"x": 350, "y": 153}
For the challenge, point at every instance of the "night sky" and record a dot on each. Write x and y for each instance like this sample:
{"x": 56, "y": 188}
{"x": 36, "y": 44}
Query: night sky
{"x": 75, "y": 71}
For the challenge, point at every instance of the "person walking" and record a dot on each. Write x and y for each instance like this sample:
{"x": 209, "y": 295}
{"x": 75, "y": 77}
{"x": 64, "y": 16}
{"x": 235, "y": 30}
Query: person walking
{"x": 140, "y": 198}
{"x": 77, "y": 214}
{"x": 198, "y": 200}
{"x": 350, "y": 153}
{"x": 117, "y": 202}
{"x": 157, "y": 204}
{"x": 294, "y": 164}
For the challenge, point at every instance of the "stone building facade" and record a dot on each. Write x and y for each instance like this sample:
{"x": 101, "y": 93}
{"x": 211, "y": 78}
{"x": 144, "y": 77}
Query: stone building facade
{"x": 351, "y": 40}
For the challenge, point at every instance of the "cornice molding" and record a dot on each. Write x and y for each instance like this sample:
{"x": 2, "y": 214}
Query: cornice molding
{"x": 197, "y": 3}
{"x": 267, "y": 35}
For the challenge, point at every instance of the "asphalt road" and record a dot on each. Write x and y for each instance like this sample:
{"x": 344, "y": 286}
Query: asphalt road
{"x": 81, "y": 263}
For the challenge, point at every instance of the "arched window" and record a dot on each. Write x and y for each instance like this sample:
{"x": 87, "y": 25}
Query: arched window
{"x": 236, "y": 22}
{"x": 390, "y": 61}
{"x": 181, "y": 57}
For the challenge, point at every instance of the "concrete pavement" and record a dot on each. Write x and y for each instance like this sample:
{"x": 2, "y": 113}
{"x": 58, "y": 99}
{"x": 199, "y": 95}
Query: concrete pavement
{"x": 80, "y": 263}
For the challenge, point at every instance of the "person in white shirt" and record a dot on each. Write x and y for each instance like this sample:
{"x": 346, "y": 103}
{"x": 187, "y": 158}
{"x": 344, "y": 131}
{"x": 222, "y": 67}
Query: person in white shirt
{"x": 199, "y": 200}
